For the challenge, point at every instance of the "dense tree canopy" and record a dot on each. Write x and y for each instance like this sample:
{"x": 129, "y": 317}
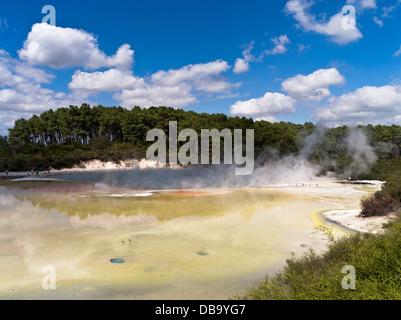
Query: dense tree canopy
{"x": 66, "y": 136}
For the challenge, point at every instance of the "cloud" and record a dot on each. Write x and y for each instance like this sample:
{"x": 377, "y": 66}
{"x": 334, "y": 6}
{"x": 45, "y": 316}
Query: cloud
{"x": 177, "y": 87}
{"x": 390, "y": 9}
{"x": 242, "y": 64}
{"x": 363, "y": 4}
{"x": 26, "y": 98}
{"x": 365, "y": 105}
{"x": 21, "y": 86}
{"x": 110, "y": 80}
{"x": 267, "y": 106}
{"x": 13, "y": 72}
{"x": 268, "y": 119}
{"x": 21, "y": 80}
{"x": 279, "y": 45}
{"x": 7, "y": 78}
{"x": 150, "y": 95}
{"x": 22, "y": 93}
{"x": 133, "y": 91}
{"x": 332, "y": 28}
{"x": 8, "y": 119}
{"x": 57, "y": 47}
{"x": 299, "y": 88}
{"x": 3, "y": 24}
{"x": 302, "y": 47}
{"x": 202, "y": 76}
{"x": 378, "y": 21}
{"x": 313, "y": 86}
{"x": 397, "y": 53}
{"x": 33, "y": 98}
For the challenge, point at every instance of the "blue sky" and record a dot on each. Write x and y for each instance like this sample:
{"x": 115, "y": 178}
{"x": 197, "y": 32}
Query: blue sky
{"x": 290, "y": 60}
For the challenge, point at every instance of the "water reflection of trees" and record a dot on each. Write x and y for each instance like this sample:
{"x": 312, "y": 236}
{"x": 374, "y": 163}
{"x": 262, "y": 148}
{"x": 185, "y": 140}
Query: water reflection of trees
{"x": 163, "y": 205}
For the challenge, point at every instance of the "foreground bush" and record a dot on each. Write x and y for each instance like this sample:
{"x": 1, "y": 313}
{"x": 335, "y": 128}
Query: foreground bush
{"x": 376, "y": 259}
{"x": 377, "y": 204}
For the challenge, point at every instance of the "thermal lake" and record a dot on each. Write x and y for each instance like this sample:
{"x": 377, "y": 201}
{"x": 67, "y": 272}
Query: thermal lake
{"x": 172, "y": 242}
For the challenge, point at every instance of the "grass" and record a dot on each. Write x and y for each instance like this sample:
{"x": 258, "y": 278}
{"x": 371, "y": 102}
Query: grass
{"x": 376, "y": 259}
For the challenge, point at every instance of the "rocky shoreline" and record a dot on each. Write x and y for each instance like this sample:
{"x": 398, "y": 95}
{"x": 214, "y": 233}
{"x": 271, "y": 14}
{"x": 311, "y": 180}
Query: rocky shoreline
{"x": 92, "y": 166}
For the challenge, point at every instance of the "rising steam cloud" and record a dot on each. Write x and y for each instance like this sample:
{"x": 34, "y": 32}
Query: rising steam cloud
{"x": 270, "y": 168}
{"x": 361, "y": 152}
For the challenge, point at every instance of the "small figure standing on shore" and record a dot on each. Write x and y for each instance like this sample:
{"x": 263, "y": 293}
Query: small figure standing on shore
{"x": 6, "y": 173}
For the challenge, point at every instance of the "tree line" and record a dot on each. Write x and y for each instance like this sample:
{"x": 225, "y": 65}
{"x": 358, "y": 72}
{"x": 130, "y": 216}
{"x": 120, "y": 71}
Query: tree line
{"x": 66, "y": 136}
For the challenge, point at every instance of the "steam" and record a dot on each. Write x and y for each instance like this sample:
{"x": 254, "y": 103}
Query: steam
{"x": 361, "y": 152}
{"x": 311, "y": 141}
{"x": 270, "y": 167}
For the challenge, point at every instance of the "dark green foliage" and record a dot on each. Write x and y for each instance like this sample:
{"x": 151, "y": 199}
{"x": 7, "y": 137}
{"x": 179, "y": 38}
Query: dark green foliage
{"x": 67, "y": 136}
{"x": 377, "y": 263}
{"x": 393, "y": 185}
{"x": 389, "y": 198}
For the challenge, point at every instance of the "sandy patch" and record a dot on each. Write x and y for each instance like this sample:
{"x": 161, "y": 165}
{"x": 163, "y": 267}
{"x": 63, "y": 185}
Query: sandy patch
{"x": 95, "y": 166}
{"x": 352, "y": 219}
{"x": 343, "y": 194}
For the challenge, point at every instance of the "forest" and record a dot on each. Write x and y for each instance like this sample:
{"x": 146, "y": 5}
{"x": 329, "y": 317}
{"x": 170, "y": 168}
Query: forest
{"x": 66, "y": 136}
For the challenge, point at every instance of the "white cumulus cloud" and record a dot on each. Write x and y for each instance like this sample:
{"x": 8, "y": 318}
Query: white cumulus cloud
{"x": 313, "y": 86}
{"x": 279, "y": 45}
{"x": 151, "y": 95}
{"x": 175, "y": 87}
{"x": 272, "y": 103}
{"x": 242, "y": 64}
{"x": 365, "y": 105}
{"x": 58, "y": 47}
{"x": 202, "y": 76}
{"x": 22, "y": 93}
{"x": 110, "y": 80}
{"x": 21, "y": 87}
{"x": 332, "y": 28}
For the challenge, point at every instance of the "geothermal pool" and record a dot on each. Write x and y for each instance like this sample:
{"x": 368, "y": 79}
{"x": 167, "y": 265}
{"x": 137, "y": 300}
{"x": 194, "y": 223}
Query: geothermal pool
{"x": 209, "y": 243}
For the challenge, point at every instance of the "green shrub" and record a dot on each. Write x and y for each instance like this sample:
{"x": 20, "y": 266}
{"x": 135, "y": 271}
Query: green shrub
{"x": 393, "y": 185}
{"x": 376, "y": 259}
